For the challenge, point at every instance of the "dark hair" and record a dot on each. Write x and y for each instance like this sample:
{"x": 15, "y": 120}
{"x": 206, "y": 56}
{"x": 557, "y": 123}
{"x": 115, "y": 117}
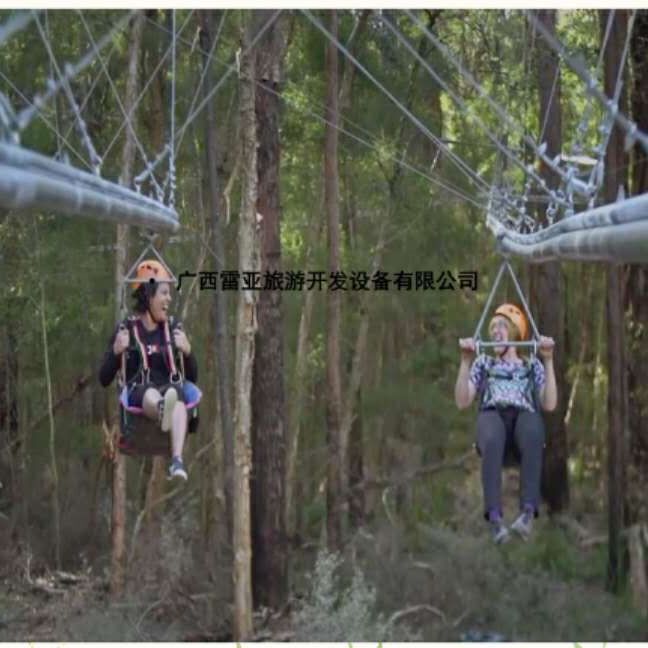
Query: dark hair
{"x": 143, "y": 295}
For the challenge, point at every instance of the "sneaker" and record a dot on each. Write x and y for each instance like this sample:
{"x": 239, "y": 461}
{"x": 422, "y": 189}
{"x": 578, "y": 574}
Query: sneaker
{"x": 499, "y": 532}
{"x": 523, "y": 525}
{"x": 166, "y": 406}
{"x": 177, "y": 469}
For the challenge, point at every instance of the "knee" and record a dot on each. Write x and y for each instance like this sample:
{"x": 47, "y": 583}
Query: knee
{"x": 151, "y": 395}
{"x": 489, "y": 433}
{"x": 530, "y": 429}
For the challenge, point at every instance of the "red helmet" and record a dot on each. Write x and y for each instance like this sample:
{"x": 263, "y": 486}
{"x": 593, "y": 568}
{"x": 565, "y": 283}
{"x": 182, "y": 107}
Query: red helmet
{"x": 517, "y": 317}
{"x": 151, "y": 269}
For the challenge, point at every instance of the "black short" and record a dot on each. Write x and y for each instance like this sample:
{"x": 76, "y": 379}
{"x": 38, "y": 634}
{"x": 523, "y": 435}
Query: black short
{"x": 136, "y": 392}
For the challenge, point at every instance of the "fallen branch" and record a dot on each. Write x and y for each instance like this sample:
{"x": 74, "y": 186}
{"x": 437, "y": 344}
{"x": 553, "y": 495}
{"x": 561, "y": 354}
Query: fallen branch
{"x": 423, "y": 565}
{"x": 397, "y": 616}
{"x": 454, "y": 464}
{"x": 460, "y": 618}
{"x": 43, "y": 585}
{"x": 167, "y": 496}
{"x": 66, "y": 578}
{"x": 81, "y": 384}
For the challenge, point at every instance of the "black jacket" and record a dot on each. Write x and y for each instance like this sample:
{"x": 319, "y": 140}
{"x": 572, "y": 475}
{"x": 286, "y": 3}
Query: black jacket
{"x": 160, "y": 372}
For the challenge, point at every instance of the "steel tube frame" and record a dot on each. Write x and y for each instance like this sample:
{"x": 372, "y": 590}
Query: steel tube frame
{"x": 617, "y": 232}
{"x": 29, "y": 180}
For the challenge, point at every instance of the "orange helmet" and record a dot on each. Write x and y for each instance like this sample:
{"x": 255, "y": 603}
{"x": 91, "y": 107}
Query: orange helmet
{"x": 151, "y": 269}
{"x": 514, "y": 315}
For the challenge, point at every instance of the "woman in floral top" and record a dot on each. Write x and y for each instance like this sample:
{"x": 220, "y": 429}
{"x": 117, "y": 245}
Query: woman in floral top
{"x": 512, "y": 390}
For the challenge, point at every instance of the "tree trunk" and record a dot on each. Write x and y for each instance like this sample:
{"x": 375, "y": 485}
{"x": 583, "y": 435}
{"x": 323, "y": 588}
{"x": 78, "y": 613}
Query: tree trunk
{"x": 269, "y": 428}
{"x": 118, "y": 562}
{"x": 245, "y": 335}
{"x": 615, "y": 177}
{"x": 150, "y": 554}
{"x": 152, "y": 526}
{"x": 54, "y": 478}
{"x": 336, "y": 461}
{"x": 357, "y": 499}
{"x": 13, "y": 439}
{"x": 221, "y": 346}
{"x": 637, "y": 295}
{"x": 298, "y": 391}
{"x": 547, "y": 285}
{"x": 154, "y": 46}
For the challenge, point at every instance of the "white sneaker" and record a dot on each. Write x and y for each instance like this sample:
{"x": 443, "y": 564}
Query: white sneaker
{"x": 523, "y": 524}
{"x": 177, "y": 470}
{"x": 500, "y": 533}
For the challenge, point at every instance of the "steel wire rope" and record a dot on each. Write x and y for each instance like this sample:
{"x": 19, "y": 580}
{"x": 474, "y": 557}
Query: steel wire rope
{"x": 95, "y": 160}
{"x": 27, "y": 114}
{"x": 501, "y": 112}
{"x": 297, "y": 107}
{"x": 39, "y": 113}
{"x": 146, "y": 85}
{"x": 505, "y": 150}
{"x": 626, "y": 124}
{"x": 126, "y": 116}
{"x": 181, "y": 131}
{"x": 460, "y": 163}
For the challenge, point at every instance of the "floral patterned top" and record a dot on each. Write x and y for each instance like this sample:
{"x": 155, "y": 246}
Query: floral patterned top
{"x": 502, "y": 383}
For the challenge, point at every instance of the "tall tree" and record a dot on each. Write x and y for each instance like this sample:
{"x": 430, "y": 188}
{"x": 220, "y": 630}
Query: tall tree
{"x": 637, "y": 292}
{"x": 12, "y": 428}
{"x": 547, "y": 284}
{"x": 615, "y": 178}
{"x": 336, "y": 463}
{"x": 221, "y": 346}
{"x": 118, "y": 565}
{"x": 246, "y": 328}
{"x": 268, "y": 401}
{"x": 158, "y": 111}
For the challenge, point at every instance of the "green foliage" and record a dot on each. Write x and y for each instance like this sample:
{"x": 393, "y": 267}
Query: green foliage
{"x": 335, "y": 611}
{"x": 552, "y": 552}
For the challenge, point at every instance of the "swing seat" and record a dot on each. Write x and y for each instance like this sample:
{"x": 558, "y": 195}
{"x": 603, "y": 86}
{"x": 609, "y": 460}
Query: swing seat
{"x": 140, "y": 436}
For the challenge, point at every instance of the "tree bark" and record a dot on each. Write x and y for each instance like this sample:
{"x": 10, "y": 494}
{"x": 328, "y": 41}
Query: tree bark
{"x": 56, "y": 511}
{"x": 221, "y": 346}
{"x": 13, "y": 446}
{"x": 547, "y": 284}
{"x": 637, "y": 295}
{"x": 615, "y": 177}
{"x": 118, "y": 526}
{"x": 152, "y": 526}
{"x": 299, "y": 386}
{"x": 336, "y": 463}
{"x": 245, "y": 335}
{"x": 269, "y": 554}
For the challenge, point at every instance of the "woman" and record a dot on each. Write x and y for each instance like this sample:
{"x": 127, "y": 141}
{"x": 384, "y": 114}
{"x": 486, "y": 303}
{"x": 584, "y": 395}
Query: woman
{"x": 512, "y": 391}
{"x": 153, "y": 386}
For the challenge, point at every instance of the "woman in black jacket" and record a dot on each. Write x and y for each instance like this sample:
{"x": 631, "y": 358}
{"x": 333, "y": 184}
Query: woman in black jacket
{"x": 152, "y": 381}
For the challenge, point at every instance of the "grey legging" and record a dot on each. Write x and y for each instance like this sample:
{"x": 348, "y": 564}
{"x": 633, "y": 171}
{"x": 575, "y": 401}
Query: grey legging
{"x": 526, "y": 431}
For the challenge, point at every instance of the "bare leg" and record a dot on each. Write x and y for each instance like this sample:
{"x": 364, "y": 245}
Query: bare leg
{"x": 178, "y": 429}
{"x": 150, "y": 403}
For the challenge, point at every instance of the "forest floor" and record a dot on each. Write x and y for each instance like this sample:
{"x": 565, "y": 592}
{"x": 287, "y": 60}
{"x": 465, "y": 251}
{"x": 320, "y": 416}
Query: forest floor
{"x": 435, "y": 582}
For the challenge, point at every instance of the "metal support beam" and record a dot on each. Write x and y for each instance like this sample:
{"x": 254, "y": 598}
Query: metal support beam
{"x": 29, "y": 180}
{"x": 615, "y": 232}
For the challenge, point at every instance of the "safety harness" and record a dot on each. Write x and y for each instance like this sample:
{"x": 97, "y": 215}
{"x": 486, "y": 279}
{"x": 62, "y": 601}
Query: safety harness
{"x": 143, "y": 375}
{"x": 520, "y": 376}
